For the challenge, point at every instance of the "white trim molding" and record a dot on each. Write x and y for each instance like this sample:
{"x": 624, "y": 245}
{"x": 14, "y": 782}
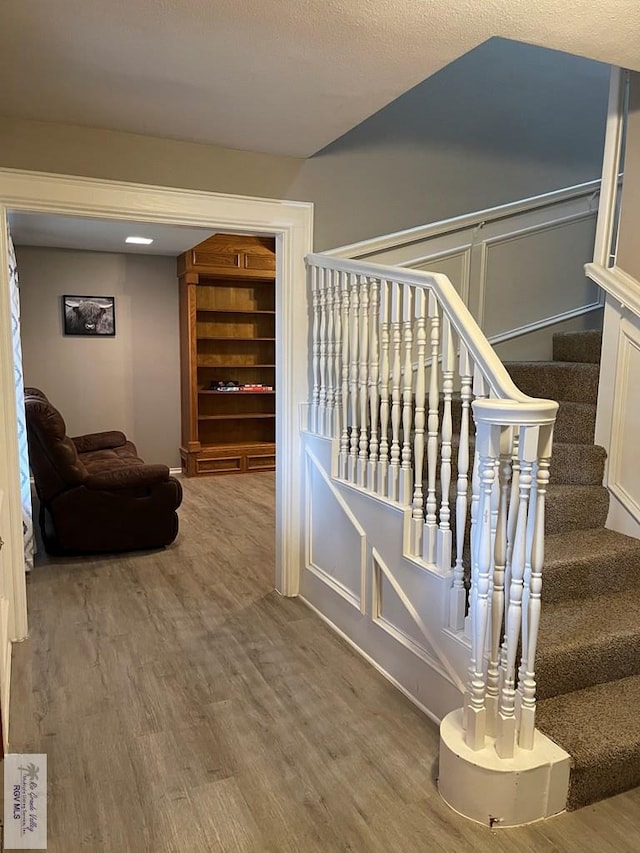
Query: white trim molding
{"x": 290, "y": 222}
{"x": 610, "y": 186}
{"x": 618, "y": 284}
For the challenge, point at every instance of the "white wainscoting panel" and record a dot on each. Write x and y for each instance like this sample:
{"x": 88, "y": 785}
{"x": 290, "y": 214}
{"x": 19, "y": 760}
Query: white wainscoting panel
{"x": 456, "y": 266}
{"x": 624, "y": 461}
{"x": 537, "y": 274}
{"x": 388, "y": 606}
{"x": 336, "y": 543}
{"x": 519, "y": 267}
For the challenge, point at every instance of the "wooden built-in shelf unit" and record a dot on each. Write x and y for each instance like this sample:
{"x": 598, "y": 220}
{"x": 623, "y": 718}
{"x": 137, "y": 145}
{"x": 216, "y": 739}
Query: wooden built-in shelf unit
{"x": 228, "y": 334}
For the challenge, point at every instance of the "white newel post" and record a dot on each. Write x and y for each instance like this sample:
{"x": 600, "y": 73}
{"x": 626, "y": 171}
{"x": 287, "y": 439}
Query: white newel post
{"x": 417, "y": 512}
{"x": 396, "y": 373}
{"x": 383, "y": 465}
{"x": 406, "y": 472}
{"x": 374, "y": 379}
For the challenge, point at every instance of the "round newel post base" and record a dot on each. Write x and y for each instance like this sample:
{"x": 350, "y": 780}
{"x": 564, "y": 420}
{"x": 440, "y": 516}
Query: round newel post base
{"x": 499, "y": 792}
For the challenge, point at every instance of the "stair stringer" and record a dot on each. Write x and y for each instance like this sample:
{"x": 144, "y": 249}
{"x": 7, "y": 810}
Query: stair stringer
{"x": 393, "y": 610}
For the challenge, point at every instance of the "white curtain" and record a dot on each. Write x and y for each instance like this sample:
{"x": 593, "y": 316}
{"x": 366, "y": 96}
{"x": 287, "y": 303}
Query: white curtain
{"x": 25, "y": 484}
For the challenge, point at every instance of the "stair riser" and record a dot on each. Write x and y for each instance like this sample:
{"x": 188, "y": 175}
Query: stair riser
{"x": 604, "y": 576}
{"x": 580, "y": 346}
{"x": 606, "y": 659}
{"x": 589, "y": 785}
{"x": 575, "y": 423}
{"x": 579, "y": 464}
{"x": 571, "y": 512}
{"x": 557, "y": 381}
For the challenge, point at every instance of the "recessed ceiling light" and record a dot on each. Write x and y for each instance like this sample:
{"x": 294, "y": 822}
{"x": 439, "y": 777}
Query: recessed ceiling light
{"x": 142, "y": 241}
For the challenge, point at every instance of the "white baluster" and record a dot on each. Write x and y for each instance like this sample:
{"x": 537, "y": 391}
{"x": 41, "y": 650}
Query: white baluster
{"x": 431, "y": 522}
{"x": 458, "y": 597}
{"x": 443, "y": 556}
{"x": 363, "y": 382}
{"x": 512, "y": 519}
{"x": 506, "y": 731}
{"x": 528, "y": 704}
{"x": 344, "y": 357}
{"x": 374, "y": 393}
{"x": 353, "y": 376}
{"x": 396, "y": 373}
{"x": 406, "y": 478}
{"x": 497, "y": 593}
{"x": 479, "y": 392}
{"x": 526, "y": 593}
{"x": 331, "y": 388}
{"x": 315, "y": 395}
{"x": 335, "y": 427}
{"x": 322, "y": 402}
{"x": 417, "y": 513}
{"x": 482, "y": 569}
{"x": 383, "y": 465}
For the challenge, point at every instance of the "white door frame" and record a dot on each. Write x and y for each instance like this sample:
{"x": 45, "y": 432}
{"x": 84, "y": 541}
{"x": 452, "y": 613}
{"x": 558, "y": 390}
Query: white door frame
{"x": 291, "y": 223}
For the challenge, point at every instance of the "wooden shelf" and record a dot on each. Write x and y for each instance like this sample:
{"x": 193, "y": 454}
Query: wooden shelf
{"x": 230, "y": 338}
{"x": 230, "y": 445}
{"x": 236, "y": 417}
{"x": 233, "y": 311}
{"x": 236, "y": 393}
{"x": 227, "y": 366}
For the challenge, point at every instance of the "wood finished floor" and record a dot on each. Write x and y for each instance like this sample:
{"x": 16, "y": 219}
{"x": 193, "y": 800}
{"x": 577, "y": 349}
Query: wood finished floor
{"x": 186, "y": 707}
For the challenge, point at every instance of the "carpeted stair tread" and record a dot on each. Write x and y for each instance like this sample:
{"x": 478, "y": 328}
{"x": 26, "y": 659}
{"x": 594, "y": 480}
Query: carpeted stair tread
{"x": 575, "y": 423}
{"x": 556, "y": 380}
{"x": 578, "y": 346}
{"x": 587, "y": 563}
{"x": 587, "y": 641}
{"x": 599, "y": 728}
{"x": 570, "y": 507}
{"x": 580, "y": 464}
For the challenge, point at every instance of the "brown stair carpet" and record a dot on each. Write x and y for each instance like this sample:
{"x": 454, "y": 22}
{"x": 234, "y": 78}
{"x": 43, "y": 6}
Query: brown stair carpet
{"x": 588, "y": 663}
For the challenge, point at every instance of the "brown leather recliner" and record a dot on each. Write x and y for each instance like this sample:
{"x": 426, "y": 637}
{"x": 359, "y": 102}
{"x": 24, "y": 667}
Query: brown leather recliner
{"x": 96, "y": 494}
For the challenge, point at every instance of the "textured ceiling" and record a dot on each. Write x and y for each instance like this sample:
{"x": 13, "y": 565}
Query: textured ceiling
{"x": 266, "y": 75}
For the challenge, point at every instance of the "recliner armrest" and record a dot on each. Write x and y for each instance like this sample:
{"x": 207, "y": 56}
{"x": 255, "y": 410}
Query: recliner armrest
{"x": 99, "y": 441}
{"x": 127, "y": 477}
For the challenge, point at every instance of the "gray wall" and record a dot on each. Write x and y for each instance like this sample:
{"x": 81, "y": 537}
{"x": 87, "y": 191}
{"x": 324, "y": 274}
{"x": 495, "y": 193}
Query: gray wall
{"x": 506, "y": 121}
{"x": 628, "y": 257}
{"x": 130, "y": 382}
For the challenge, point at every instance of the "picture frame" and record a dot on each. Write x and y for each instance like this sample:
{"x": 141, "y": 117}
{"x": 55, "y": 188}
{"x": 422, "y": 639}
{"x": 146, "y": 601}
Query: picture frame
{"x": 89, "y": 316}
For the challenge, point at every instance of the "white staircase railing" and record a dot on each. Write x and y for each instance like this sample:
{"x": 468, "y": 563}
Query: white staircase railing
{"x": 399, "y": 369}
